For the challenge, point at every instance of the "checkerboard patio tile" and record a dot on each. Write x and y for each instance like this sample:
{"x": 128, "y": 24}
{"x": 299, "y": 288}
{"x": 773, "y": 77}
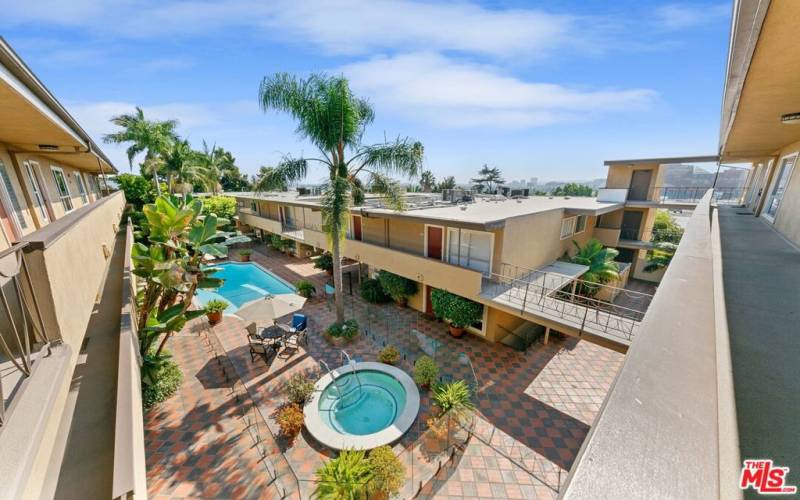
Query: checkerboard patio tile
{"x": 535, "y": 408}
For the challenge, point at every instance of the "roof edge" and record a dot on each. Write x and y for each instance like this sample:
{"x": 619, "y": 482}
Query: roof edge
{"x": 668, "y": 159}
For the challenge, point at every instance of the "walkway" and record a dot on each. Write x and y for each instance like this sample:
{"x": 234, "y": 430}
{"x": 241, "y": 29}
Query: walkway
{"x": 761, "y": 272}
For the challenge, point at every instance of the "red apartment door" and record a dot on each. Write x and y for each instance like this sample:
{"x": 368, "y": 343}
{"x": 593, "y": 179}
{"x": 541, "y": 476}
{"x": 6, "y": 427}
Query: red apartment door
{"x": 428, "y": 305}
{"x": 357, "y": 227}
{"x": 435, "y": 237}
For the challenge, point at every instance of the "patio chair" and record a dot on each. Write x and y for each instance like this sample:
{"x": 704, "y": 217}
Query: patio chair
{"x": 295, "y": 334}
{"x": 258, "y": 347}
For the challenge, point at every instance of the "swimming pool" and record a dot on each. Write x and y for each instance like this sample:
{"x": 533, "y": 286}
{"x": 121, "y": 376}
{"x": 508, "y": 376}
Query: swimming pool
{"x": 244, "y": 282}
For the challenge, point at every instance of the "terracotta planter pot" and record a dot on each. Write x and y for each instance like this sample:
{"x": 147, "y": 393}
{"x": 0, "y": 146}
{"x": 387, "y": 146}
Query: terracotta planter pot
{"x": 214, "y": 317}
{"x": 456, "y": 331}
{"x": 329, "y": 272}
{"x": 245, "y": 258}
{"x": 340, "y": 341}
{"x": 402, "y": 302}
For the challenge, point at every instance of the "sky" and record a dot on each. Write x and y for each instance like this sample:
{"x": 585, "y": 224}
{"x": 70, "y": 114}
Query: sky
{"x": 547, "y": 89}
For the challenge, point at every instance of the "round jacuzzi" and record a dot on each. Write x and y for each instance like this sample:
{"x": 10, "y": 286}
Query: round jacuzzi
{"x": 362, "y": 406}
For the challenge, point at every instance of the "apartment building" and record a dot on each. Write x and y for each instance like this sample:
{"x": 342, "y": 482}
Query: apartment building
{"x": 57, "y": 238}
{"x": 507, "y": 254}
{"x": 711, "y": 380}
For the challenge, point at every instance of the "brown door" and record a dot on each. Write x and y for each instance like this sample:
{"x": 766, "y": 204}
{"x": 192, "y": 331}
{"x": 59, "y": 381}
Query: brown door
{"x": 631, "y": 223}
{"x": 640, "y": 184}
{"x": 357, "y": 227}
{"x": 435, "y": 242}
{"x": 428, "y": 305}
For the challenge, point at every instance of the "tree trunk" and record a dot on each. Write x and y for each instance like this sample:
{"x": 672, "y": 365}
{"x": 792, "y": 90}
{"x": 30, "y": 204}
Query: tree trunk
{"x": 337, "y": 279}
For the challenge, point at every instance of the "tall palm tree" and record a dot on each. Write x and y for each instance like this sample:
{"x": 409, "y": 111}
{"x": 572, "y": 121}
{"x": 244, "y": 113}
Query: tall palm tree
{"x": 600, "y": 260}
{"x": 333, "y": 119}
{"x": 427, "y": 181}
{"x": 214, "y": 162}
{"x": 145, "y": 136}
{"x": 179, "y": 164}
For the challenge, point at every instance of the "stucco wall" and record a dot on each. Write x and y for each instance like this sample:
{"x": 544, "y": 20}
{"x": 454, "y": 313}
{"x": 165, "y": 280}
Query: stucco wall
{"x": 407, "y": 236}
{"x": 787, "y": 221}
{"x": 373, "y": 230}
{"x": 46, "y": 169}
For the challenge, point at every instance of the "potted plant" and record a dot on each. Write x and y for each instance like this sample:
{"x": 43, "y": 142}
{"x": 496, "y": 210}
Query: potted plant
{"x": 305, "y": 288}
{"x": 290, "y": 420}
{"x": 324, "y": 262}
{"x": 459, "y": 311}
{"x": 388, "y": 473}
{"x": 342, "y": 333}
{"x": 425, "y": 372}
{"x": 389, "y": 355}
{"x": 454, "y": 403}
{"x": 214, "y": 310}
{"x": 344, "y": 477}
{"x": 245, "y": 255}
{"x": 299, "y": 389}
{"x": 397, "y": 287}
{"x": 276, "y": 242}
{"x": 372, "y": 291}
{"x": 288, "y": 247}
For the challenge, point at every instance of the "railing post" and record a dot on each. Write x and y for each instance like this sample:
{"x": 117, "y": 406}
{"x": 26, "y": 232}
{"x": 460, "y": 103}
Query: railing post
{"x": 525, "y": 299}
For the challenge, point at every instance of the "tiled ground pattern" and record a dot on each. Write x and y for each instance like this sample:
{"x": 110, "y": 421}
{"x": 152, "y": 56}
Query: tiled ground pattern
{"x": 535, "y": 408}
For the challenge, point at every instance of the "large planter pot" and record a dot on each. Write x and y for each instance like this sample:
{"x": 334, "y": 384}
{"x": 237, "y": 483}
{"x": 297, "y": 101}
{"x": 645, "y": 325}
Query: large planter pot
{"x": 456, "y": 331}
{"x": 402, "y": 302}
{"x": 340, "y": 341}
{"x": 245, "y": 258}
{"x": 214, "y": 317}
{"x": 329, "y": 272}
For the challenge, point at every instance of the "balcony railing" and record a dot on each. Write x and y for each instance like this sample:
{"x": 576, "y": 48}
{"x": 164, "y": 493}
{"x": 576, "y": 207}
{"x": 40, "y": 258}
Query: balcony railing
{"x": 693, "y": 194}
{"x": 23, "y": 336}
{"x": 653, "y": 236}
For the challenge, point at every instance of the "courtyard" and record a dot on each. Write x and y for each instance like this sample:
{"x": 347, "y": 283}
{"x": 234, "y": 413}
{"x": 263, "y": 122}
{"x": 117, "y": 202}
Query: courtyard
{"x": 217, "y": 437}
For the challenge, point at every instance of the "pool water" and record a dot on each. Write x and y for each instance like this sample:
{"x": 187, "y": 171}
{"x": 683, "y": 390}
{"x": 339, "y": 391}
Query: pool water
{"x": 362, "y": 411}
{"x": 244, "y": 282}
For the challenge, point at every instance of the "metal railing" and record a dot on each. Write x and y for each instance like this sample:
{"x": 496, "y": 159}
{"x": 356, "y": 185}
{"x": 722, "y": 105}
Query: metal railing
{"x": 653, "y": 236}
{"x": 693, "y": 194}
{"x": 571, "y": 300}
{"x": 22, "y": 335}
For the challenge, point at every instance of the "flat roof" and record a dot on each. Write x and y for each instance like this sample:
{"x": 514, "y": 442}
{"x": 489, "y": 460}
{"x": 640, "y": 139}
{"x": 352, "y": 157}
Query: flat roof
{"x": 665, "y": 160}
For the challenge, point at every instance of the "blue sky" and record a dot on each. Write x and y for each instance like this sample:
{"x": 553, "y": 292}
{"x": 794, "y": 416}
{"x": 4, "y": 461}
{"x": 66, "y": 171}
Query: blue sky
{"x": 544, "y": 89}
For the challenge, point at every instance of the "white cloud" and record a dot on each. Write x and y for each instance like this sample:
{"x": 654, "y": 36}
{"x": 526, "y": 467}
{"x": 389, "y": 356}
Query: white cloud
{"x": 432, "y": 88}
{"x": 336, "y": 26}
{"x": 673, "y": 17}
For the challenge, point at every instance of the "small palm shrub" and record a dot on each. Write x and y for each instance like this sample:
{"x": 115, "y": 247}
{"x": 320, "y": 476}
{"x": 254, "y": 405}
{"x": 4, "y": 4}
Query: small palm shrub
{"x": 345, "y": 477}
{"x": 388, "y": 473}
{"x": 245, "y": 254}
{"x": 389, "y": 355}
{"x": 453, "y": 396}
{"x": 425, "y": 371}
{"x": 167, "y": 378}
{"x": 397, "y": 287}
{"x": 305, "y": 288}
{"x": 290, "y": 420}
{"x": 214, "y": 306}
{"x": 276, "y": 242}
{"x": 372, "y": 291}
{"x": 299, "y": 388}
{"x": 324, "y": 262}
{"x": 346, "y": 330}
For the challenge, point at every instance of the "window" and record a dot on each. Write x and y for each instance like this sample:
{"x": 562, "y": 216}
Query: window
{"x": 472, "y": 249}
{"x": 81, "y": 188}
{"x": 568, "y": 227}
{"x": 63, "y": 189}
{"x": 253, "y": 207}
{"x": 580, "y": 225}
{"x": 12, "y": 196}
{"x": 38, "y": 198}
{"x": 776, "y": 195}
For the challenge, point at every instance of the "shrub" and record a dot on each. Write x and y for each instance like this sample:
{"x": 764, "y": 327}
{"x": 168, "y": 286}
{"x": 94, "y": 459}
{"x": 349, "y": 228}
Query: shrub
{"x": 389, "y": 355}
{"x": 372, "y": 292}
{"x": 346, "y": 330}
{"x": 299, "y": 389}
{"x": 459, "y": 311}
{"x": 388, "y": 472}
{"x": 166, "y": 381}
{"x": 221, "y": 206}
{"x": 276, "y": 242}
{"x": 324, "y": 262}
{"x": 138, "y": 190}
{"x": 290, "y": 420}
{"x": 453, "y": 396}
{"x": 397, "y": 287}
{"x": 216, "y": 306}
{"x": 246, "y": 252}
{"x": 344, "y": 477}
{"x": 425, "y": 371}
{"x": 305, "y": 288}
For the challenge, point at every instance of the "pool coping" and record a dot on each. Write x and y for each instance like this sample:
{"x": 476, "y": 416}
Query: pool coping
{"x": 196, "y": 303}
{"x": 338, "y": 441}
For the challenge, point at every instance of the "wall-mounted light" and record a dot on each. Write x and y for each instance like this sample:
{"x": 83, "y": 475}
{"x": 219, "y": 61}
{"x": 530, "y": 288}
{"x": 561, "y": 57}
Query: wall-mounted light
{"x": 790, "y": 118}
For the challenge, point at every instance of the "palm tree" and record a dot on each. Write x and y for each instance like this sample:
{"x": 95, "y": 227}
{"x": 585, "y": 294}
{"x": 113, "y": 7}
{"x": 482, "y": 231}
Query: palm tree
{"x": 333, "y": 119}
{"x": 427, "y": 181}
{"x": 214, "y": 162}
{"x": 448, "y": 182}
{"x": 660, "y": 256}
{"x": 600, "y": 260}
{"x": 180, "y": 166}
{"x": 145, "y": 136}
{"x": 488, "y": 179}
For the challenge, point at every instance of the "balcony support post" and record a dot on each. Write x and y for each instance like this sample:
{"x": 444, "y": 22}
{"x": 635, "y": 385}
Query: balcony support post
{"x": 546, "y": 334}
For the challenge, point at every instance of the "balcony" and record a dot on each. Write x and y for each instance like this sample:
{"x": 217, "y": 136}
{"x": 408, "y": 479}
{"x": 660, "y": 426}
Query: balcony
{"x": 50, "y": 372}
{"x": 631, "y": 238}
{"x": 435, "y": 273}
{"x": 259, "y": 222}
{"x": 608, "y": 236}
